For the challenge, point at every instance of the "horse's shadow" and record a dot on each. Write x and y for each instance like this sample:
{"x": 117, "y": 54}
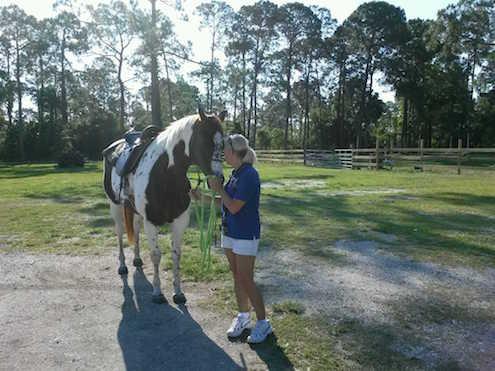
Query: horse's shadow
{"x": 161, "y": 337}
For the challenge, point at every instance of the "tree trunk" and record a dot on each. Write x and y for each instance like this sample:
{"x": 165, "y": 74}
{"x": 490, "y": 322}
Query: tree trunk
{"x": 340, "y": 105}
{"x": 20, "y": 123}
{"x": 289, "y": 108}
{"x": 306, "y": 109}
{"x": 248, "y": 132}
{"x": 40, "y": 91}
{"x": 236, "y": 93}
{"x": 169, "y": 90}
{"x": 212, "y": 66}
{"x": 405, "y": 111}
{"x": 320, "y": 102}
{"x": 244, "y": 92}
{"x": 363, "y": 117}
{"x": 63, "y": 89}
{"x": 155, "y": 88}
{"x": 10, "y": 95}
{"x": 122, "y": 93}
{"x": 255, "y": 91}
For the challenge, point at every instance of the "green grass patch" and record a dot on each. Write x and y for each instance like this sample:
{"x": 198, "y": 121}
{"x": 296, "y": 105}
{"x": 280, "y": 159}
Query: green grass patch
{"x": 288, "y": 307}
{"x": 439, "y": 217}
{"x": 46, "y": 209}
{"x": 299, "y": 342}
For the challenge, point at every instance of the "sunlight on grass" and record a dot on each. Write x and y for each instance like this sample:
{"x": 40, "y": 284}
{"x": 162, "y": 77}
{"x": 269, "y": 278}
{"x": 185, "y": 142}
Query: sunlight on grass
{"x": 434, "y": 216}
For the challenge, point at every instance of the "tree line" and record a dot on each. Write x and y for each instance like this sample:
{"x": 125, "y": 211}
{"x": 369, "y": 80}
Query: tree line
{"x": 290, "y": 75}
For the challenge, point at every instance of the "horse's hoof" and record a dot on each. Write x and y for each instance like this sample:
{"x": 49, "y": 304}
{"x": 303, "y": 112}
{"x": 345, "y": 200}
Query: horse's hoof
{"x": 158, "y": 299}
{"x": 180, "y": 298}
{"x": 123, "y": 270}
{"x": 138, "y": 262}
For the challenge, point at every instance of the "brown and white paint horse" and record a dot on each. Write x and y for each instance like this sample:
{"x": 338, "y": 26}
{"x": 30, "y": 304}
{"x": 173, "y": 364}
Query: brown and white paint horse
{"x": 160, "y": 188}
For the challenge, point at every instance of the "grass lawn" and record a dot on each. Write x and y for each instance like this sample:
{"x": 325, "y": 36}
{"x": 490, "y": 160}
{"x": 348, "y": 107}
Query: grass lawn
{"x": 434, "y": 216}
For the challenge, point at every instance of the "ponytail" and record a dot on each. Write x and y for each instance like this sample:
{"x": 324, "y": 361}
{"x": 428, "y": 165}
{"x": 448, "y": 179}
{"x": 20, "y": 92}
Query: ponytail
{"x": 250, "y": 156}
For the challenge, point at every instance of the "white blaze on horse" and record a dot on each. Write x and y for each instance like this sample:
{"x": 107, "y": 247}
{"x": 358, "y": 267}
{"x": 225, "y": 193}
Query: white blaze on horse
{"x": 156, "y": 191}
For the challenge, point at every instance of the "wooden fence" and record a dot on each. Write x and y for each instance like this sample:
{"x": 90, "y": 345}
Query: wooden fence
{"x": 374, "y": 158}
{"x": 310, "y": 157}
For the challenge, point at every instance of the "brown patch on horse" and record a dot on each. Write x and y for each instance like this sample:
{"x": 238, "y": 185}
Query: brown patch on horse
{"x": 168, "y": 188}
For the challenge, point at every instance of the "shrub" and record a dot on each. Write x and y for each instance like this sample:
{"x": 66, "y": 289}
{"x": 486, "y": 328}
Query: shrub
{"x": 71, "y": 157}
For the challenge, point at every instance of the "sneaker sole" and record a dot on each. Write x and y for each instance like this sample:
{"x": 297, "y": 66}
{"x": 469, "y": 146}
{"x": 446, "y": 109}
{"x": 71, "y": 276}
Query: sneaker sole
{"x": 262, "y": 340}
{"x": 234, "y": 335}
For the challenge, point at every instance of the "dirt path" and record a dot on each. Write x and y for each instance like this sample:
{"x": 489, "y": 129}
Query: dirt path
{"x": 438, "y": 315}
{"x": 62, "y": 312}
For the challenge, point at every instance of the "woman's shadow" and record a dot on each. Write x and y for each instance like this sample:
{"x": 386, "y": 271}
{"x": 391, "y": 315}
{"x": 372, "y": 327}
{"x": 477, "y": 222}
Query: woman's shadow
{"x": 159, "y": 337}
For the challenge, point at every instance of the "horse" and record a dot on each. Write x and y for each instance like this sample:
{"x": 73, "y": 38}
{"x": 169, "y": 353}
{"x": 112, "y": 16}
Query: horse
{"x": 156, "y": 192}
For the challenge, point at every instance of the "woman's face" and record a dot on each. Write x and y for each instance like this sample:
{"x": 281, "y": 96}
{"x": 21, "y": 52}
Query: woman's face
{"x": 229, "y": 155}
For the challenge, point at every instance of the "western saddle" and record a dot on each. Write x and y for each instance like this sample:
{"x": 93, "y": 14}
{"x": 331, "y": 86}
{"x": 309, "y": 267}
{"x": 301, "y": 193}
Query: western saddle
{"x": 126, "y": 153}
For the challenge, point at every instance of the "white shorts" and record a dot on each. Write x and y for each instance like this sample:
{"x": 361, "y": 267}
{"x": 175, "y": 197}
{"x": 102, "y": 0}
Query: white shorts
{"x": 240, "y": 247}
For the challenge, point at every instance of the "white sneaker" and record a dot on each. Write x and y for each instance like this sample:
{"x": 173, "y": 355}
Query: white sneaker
{"x": 260, "y": 332}
{"x": 239, "y": 324}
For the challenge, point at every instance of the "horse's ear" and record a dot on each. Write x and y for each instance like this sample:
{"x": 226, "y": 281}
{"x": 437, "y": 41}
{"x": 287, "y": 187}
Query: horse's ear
{"x": 222, "y": 115}
{"x": 201, "y": 112}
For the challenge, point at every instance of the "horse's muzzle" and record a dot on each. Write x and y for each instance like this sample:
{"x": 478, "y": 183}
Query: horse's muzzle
{"x": 217, "y": 168}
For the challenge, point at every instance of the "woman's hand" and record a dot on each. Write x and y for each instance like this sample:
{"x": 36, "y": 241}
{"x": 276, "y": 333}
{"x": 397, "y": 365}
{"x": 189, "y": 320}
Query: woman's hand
{"x": 195, "y": 194}
{"x": 215, "y": 184}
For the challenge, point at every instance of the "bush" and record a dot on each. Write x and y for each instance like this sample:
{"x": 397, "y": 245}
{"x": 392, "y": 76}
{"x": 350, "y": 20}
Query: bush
{"x": 71, "y": 157}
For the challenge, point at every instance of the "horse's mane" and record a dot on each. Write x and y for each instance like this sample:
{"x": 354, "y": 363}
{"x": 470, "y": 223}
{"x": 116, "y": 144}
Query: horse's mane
{"x": 178, "y": 130}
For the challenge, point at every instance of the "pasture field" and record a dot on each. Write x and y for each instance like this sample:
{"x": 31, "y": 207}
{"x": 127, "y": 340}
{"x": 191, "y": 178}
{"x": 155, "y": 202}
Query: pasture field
{"x": 422, "y": 224}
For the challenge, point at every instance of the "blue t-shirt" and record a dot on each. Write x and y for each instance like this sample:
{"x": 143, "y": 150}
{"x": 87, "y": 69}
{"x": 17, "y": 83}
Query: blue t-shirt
{"x": 244, "y": 185}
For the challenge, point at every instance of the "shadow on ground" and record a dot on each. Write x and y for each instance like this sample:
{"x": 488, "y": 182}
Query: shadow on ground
{"x": 15, "y": 171}
{"x": 158, "y": 337}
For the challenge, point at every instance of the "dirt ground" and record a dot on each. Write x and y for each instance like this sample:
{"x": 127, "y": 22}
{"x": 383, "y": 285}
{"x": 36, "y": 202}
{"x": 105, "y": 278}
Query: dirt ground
{"x": 69, "y": 312}
{"x": 440, "y": 316}
{"x": 75, "y": 313}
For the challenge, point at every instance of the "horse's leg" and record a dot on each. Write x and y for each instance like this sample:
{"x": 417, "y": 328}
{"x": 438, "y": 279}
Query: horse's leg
{"x": 155, "y": 254}
{"x": 117, "y": 215}
{"x": 178, "y": 226}
{"x": 138, "y": 220}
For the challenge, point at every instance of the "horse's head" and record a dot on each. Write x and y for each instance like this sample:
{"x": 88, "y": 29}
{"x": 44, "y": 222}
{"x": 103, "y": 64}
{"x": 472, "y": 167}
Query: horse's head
{"x": 207, "y": 143}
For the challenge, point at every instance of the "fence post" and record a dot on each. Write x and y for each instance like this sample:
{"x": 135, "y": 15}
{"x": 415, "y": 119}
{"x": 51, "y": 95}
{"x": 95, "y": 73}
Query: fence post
{"x": 352, "y": 156}
{"x": 459, "y": 156}
{"x": 377, "y": 159}
{"x": 421, "y": 143}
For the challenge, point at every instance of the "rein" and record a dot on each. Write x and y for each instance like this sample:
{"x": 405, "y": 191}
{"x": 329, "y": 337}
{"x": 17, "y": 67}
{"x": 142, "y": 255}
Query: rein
{"x": 207, "y": 224}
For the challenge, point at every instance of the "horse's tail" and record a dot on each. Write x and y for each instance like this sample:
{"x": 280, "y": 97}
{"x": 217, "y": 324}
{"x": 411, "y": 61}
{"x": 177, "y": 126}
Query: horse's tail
{"x": 129, "y": 222}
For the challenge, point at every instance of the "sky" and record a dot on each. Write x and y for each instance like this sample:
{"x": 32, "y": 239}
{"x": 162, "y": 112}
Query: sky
{"x": 340, "y": 9}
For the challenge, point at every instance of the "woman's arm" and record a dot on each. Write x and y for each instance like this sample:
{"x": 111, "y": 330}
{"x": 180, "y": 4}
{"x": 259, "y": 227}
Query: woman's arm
{"x": 231, "y": 204}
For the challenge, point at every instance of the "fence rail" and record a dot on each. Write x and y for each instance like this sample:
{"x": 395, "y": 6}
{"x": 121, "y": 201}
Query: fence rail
{"x": 371, "y": 158}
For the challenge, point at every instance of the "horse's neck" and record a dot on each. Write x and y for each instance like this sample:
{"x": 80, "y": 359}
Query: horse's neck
{"x": 180, "y": 131}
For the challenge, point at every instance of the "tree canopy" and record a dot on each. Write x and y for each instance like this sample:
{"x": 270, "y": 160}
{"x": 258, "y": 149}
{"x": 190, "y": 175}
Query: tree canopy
{"x": 289, "y": 75}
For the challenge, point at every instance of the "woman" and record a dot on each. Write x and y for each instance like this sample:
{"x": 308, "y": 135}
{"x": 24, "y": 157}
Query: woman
{"x": 241, "y": 233}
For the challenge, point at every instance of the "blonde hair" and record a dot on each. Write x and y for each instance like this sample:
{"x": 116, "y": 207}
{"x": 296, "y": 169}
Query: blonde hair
{"x": 240, "y": 145}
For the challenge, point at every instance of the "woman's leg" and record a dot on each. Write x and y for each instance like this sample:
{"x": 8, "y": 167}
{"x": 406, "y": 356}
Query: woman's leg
{"x": 245, "y": 269}
{"x": 240, "y": 293}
